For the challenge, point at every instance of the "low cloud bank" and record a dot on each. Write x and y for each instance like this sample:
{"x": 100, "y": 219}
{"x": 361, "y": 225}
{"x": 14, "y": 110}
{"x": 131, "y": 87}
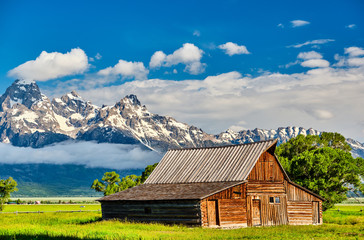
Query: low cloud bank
{"x": 90, "y": 154}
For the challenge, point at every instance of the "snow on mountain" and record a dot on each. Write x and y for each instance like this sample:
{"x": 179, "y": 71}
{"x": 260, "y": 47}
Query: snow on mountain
{"x": 282, "y": 134}
{"x": 29, "y": 118}
{"x": 20, "y": 92}
{"x": 130, "y": 122}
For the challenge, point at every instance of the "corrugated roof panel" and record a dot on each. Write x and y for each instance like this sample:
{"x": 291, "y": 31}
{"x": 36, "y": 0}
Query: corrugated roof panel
{"x": 200, "y": 165}
{"x": 228, "y": 168}
{"x": 240, "y": 163}
{"x": 205, "y": 167}
{"x": 212, "y": 164}
{"x": 204, "y": 174}
{"x": 176, "y": 164}
{"x": 195, "y": 167}
{"x": 221, "y": 164}
{"x": 181, "y": 174}
{"x": 163, "y": 163}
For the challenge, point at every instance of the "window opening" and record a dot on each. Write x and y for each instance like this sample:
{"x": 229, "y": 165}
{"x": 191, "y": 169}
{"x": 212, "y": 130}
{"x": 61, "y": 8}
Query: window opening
{"x": 274, "y": 200}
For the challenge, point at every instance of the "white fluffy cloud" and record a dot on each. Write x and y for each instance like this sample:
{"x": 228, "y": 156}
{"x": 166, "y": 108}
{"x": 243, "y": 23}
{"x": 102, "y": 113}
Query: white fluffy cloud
{"x": 231, "y": 49}
{"x": 315, "y": 63}
{"x": 354, "y": 57}
{"x": 127, "y": 70}
{"x": 52, "y": 65}
{"x": 188, "y": 54}
{"x": 157, "y": 60}
{"x": 355, "y": 62}
{"x": 354, "y": 51}
{"x": 309, "y": 55}
{"x": 90, "y": 154}
{"x": 310, "y": 59}
{"x": 299, "y": 23}
{"x": 313, "y": 43}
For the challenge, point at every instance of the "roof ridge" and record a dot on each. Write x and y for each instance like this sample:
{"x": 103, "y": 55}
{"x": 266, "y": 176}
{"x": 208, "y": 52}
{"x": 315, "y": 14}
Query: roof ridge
{"x": 223, "y": 146}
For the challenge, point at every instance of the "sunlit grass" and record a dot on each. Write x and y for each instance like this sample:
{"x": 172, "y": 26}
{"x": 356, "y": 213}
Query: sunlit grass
{"x": 51, "y": 207}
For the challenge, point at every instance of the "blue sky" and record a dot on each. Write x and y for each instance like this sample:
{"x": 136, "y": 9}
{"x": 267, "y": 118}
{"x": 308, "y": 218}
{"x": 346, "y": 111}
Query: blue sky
{"x": 217, "y": 65}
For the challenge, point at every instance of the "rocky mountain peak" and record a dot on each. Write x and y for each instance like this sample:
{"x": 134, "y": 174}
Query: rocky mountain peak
{"x": 133, "y": 99}
{"x": 25, "y": 92}
{"x": 130, "y": 105}
{"x": 72, "y": 104}
{"x": 72, "y": 96}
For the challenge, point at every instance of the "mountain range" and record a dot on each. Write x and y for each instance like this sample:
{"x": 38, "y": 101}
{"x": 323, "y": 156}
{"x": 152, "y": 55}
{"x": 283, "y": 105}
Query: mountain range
{"x": 28, "y": 118}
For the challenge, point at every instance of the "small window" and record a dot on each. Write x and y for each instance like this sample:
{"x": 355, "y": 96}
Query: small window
{"x": 274, "y": 200}
{"x": 147, "y": 210}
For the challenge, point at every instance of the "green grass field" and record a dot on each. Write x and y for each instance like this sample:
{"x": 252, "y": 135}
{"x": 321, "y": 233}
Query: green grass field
{"x": 52, "y": 207}
{"x": 348, "y": 223}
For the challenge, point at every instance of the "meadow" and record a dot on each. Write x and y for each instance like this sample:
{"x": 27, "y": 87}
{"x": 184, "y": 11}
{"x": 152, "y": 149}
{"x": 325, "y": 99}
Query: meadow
{"x": 342, "y": 222}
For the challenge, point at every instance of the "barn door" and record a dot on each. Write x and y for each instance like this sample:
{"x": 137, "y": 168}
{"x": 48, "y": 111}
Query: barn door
{"x": 256, "y": 213}
{"x": 315, "y": 212}
{"x": 212, "y": 213}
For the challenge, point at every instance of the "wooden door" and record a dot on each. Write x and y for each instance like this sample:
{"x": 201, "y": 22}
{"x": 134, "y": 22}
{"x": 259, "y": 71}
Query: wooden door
{"x": 315, "y": 212}
{"x": 212, "y": 213}
{"x": 256, "y": 213}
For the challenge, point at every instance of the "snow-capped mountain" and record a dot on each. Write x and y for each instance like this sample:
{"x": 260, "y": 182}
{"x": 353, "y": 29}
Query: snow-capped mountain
{"x": 29, "y": 118}
{"x": 282, "y": 134}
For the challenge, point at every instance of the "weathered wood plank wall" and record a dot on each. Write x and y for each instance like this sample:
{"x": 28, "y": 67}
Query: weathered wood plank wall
{"x": 179, "y": 211}
{"x": 231, "y": 206}
{"x": 267, "y": 180}
{"x": 300, "y": 206}
{"x": 271, "y": 213}
{"x": 266, "y": 169}
{"x": 236, "y": 192}
{"x": 299, "y": 213}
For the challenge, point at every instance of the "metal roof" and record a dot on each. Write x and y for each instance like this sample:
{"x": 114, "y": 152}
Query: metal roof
{"x": 231, "y": 163}
{"x": 183, "y": 191}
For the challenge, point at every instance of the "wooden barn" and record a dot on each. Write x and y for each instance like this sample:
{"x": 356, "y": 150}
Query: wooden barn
{"x": 237, "y": 185}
